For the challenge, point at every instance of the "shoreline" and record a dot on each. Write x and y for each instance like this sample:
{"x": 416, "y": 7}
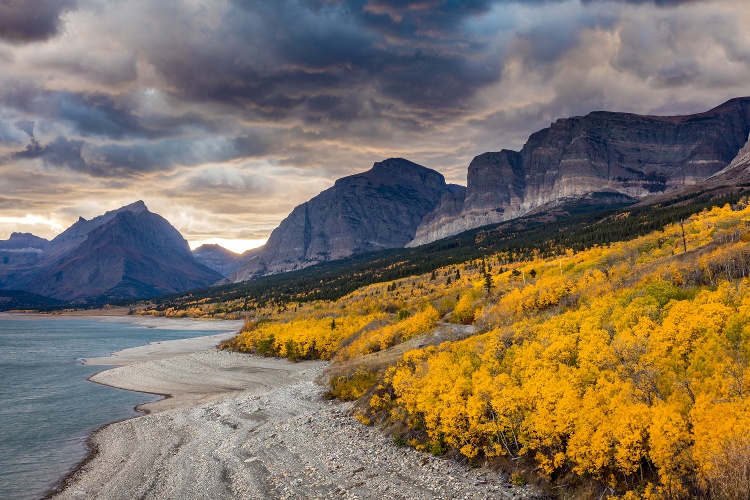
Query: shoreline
{"x": 91, "y": 446}
{"x": 267, "y": 433}
{"x": 133, "y": 355}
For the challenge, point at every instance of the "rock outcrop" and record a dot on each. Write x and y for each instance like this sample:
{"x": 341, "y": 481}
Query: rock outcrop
{"x": 374, "y": 210}
{"x": 125, "y": 253}
{"x": 602, "y": 152}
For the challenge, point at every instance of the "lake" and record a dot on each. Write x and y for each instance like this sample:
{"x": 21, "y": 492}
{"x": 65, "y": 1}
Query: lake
{"x": 48, "y": 408}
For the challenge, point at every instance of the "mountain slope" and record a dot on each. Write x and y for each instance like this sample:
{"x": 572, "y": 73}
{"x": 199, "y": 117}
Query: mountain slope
{"x": 14, "y": 300}
{"x": 626, "y": 155}
{"x": 374, "y": 210}
{"x": 544, "y": 234}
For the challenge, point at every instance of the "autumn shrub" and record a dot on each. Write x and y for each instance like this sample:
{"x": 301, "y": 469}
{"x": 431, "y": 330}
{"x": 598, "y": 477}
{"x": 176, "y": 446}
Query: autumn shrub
{"x": 266, "y": 346}
{"x": 309, "y": 338}
{"x": 392, "y": 334}
{"x": 466, "y": 308}
{"x": 350, "y": 388}
{"x": 445, "y": 306}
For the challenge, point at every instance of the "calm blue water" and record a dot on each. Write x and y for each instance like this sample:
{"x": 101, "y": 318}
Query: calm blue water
{"x": 47, "y": 407}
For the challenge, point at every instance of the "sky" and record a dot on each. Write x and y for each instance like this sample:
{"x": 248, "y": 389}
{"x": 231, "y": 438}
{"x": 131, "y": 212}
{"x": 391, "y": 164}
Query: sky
{"x": 223, "y": 115}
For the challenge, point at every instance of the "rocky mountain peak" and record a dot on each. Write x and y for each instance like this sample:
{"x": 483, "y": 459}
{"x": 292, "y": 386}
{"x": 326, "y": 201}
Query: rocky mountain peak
{"x": 401, "y": 167}
{"x": 393, "y": 171}
{"x": 83, "y": 227}
{"x": 135, "y": 207}
{"x": 373, "y": 210}
{"x": 128, "y": 252}
{"x": 26, "y": 237}
{"x": 218, "y": 258}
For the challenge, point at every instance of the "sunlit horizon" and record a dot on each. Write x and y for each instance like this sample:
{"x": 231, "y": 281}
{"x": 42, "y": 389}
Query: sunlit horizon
{"x": 236, "y": 246}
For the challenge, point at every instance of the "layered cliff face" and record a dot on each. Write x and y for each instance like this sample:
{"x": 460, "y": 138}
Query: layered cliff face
{"x": 374, "y": 210}
{"x": 129, "y": 252}
{"x": 630, "y": 155}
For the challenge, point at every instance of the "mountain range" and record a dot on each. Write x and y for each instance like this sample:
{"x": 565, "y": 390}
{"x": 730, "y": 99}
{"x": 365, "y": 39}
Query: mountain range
{"x": 618, "y": 156}
{"x": 601, "y": 158}
{"x": 584, "y": 162}
{"x": 125, "y": 253}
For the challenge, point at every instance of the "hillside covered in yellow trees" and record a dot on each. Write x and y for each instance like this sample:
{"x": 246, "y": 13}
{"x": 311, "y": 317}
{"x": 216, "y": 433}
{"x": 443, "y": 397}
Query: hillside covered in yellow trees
{"x": 622, "y": 368}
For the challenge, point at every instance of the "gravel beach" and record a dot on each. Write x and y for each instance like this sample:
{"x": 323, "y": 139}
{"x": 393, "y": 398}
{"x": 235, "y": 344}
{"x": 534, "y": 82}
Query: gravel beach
{"x": 240, "y": 426}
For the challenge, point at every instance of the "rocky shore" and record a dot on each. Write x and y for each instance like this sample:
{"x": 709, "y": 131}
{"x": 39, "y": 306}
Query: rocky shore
{"x": 238, "y": 426}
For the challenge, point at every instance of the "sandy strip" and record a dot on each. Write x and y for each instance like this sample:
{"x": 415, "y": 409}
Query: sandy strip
{"x": 160, "y": 350}
{"x": 240, "y": 426}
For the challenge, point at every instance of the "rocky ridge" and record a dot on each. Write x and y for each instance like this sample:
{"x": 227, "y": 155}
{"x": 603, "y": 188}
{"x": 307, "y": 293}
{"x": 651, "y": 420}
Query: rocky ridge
{"x": 24, "y": 242}
{"x": 622, "y": 154}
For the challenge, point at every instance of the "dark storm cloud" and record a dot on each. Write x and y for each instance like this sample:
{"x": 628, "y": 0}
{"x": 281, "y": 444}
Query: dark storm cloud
{"x": 22, "y": 21}
{"x": 116, "y": 159}
{"x": 127, "y": 160}
{"x": 93, "y": 114}
{"x": 288, "y": 58}
{"x": 60, "y": 153}
{"x": 89, "y": 114}
{"x": 97, "y": 115}
{"x": 323, "y": 63}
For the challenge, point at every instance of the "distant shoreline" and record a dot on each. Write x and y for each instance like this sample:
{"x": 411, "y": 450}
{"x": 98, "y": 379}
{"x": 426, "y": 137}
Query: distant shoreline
{"x": 147, "y": 321}
{"x": 103, "y": 312}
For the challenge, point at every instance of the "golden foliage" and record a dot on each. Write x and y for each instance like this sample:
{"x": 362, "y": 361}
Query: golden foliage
{"x": 352, "y": 387}
{"x": 603, "y": 402}
{"x": 303, "y": 338}
{"x": 392, "y": 334}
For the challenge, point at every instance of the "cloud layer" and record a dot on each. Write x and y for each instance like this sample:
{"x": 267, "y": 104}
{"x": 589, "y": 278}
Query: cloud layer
{"x": 224, "y": 115}
{"x": 23, "y": 23}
